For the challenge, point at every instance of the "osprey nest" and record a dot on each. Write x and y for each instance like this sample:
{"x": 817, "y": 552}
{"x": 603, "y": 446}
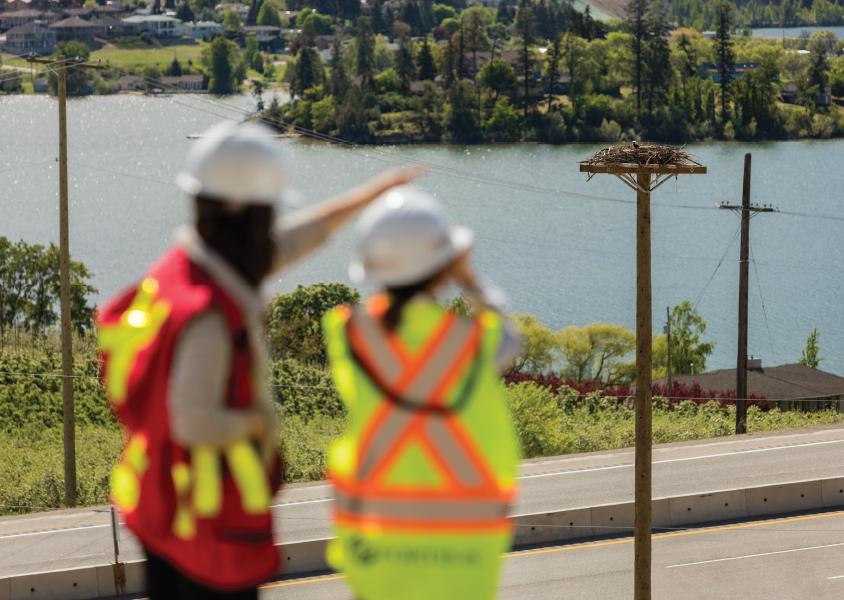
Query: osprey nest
{"x": 642, "y": 154}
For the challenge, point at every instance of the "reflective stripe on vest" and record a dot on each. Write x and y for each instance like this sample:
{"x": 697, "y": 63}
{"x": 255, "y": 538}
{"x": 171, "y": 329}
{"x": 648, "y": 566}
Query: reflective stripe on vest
{"x": 138, "y": 327}
{"x": 414, "y": 409}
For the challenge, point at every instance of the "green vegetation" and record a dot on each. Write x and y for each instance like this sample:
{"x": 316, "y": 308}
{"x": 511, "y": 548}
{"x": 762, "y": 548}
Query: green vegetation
{"x": 811, "y": 356}
{"x": 134, "y": 59}
{"x": 760, "y": 13}
{"x": 545, "y": 72}
{"x": 550, "y": 418}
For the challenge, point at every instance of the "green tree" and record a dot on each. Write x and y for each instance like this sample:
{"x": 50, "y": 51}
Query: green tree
{"x": 837, "y": 78}
{"x": 817, "y": 77}
{"x": 526, "y": 30}
{"x": 352, "y": 123}
{"x": 503, "y": 123}
{"x": 657, "y": 56}
{"x": 498, "y": 77}
{"x": 637, "y": 11}
{"x": 268, "y": 16}
{"x": 539, "y": 345}
{"x": 461, "y": 115}
{"x": 595, "y": 351}
{"x": 338, "y": 83}
{"x": 405, "y": 66}
{"x": 184, "y": 13}
{"x": 426, "y": 69}
{"x": 552, "y": 66}
{"x": 811, "y": 356}
{"x": 293, "y": 325}
{"x": 251, "y": 50}
{"x": 688, "y": 351}
{"x": 151, "y": 75}
{"x": 365, "y": 53}
{"x": 78, "y": 80}
{"x": 308, "y": 71}
{"x": 231, "y": 21}
{"x": 175, "y": 68}
{"x": 29, "y": 289}
{"x": 725, "y": 56}
{"x": 225, "y": 66}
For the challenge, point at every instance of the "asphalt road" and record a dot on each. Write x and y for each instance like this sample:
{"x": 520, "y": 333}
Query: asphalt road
{"x": 787, "y": 559}
{"x": 64, "y": 539}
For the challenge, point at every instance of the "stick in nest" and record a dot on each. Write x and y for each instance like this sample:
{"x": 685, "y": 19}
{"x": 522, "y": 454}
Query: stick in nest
{"x": 650, "y": 154}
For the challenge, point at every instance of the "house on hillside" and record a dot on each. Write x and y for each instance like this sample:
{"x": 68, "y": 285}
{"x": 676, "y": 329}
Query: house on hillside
{"x": 792, "y": 94}
{"x": 158, "y": 26}
{"x": 268, "y": 36}
{"x": 30, "y": 38}
{"x": 77, "y": 29}
{"x": 793, "y": 386}
{"x": 242, "y": 10}
{"x": 203, "y": 30}
{"x": 16, "y": 18}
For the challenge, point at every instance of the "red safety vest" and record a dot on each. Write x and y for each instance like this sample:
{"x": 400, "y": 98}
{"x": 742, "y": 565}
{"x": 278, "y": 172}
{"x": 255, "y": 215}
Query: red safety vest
{"x": 413, "y": 410}
{"x": 206, "y": 510}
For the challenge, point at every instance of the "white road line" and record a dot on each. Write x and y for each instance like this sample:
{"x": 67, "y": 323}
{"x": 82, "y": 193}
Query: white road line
{"x": 535, "y": 476}
{"x": 52, "y": 531}
{"x": 686, "y": 459}
{"x": 718, "y": 560}
{"x": 836, "y": 577}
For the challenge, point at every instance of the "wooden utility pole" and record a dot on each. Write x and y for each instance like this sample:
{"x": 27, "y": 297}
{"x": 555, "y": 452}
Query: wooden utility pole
{"x": 68, "y": 406}
{"x": 644, "y": 179}
{"x": 747, "y": 211}
{"x": 668, "y": 352}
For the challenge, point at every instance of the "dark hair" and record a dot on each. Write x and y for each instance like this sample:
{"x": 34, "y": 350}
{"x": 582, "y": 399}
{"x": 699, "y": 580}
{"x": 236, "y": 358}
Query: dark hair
{"x": 401, "y": 295}
{"x": 241, "y": 234}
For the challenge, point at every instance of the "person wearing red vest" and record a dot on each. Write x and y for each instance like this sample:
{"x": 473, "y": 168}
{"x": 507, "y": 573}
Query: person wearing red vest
{"x": 184, "y": 368}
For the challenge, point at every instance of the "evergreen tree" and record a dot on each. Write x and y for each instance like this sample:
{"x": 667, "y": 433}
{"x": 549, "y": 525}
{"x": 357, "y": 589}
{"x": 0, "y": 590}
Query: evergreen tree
{"x": 170, "y": 4}
{"x": 254, "y": 10}
{"x": 308, "y": 71}
{"x": 657, "y": 56}
{"x": 348, "y": 9}
{"x": 184, "y": 13}
{"x": 552, "y": 64}
{"x": 504, "y": 15}
{"x": 725, "y": 56}
{"x": 818, "y": 73}
{"x": 366, "y": 53}
{"x": 379, "y": 23}
{"x": 448, "y": 64}
{"x": 339, "y": 82}
{"x": 405, "y": 66}
{"x": 461, "y": 117}
{"x": 689, "y": 67}
{"x": 175, "y": 68}
{"x": 427, "y": 70}
{"x": 526, "y": 28}
{"x": 637, "y": 11}
{"x": 351, "y": 118}
{"x": 223, "y": 77}
{"x": 268, "y": 16}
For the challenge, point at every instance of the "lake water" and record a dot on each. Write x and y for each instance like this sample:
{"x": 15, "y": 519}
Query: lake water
{"x": 563, "y": 248}
{"x": 793, "y": 32}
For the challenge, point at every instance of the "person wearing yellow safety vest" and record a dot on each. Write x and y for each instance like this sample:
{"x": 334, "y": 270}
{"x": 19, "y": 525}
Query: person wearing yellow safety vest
{"x": 185, "y": 369}
{"x": 425, "y": 472}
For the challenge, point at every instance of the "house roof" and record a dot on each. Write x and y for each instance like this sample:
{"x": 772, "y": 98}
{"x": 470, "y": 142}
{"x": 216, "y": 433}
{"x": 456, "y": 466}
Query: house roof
{"x": 267, "y": 28}
{"x": 25, "y": 12}
{"x": 150, "y": 19}
{"x": 73, "y": 23}
{"x": 28, "y": 28}
{"x": 785, "y": 382}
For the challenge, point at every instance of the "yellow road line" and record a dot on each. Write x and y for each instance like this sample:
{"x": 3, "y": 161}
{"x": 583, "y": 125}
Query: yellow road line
{"x": 604, "y": 544}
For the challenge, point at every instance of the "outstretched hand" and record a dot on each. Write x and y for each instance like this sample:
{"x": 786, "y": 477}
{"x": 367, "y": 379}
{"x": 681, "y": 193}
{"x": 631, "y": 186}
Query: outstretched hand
{"x": 396, "y": 177}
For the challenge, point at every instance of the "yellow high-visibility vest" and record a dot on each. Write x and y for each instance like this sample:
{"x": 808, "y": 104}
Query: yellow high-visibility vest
{"x": 425, "y": 472}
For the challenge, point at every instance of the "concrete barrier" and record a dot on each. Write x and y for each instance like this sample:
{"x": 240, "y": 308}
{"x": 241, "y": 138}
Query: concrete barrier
{"x": 784, "y": 498}
{"x": 545, "y": 528}
{"x": 704, "y": 508}
{"x": 302, "y": 558}
{"x": 832, "y": 491}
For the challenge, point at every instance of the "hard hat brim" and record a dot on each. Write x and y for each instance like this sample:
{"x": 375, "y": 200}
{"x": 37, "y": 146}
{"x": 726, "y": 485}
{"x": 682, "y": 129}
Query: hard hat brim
{"x": 462, "y": 239}
{"x": 286, "y": 198}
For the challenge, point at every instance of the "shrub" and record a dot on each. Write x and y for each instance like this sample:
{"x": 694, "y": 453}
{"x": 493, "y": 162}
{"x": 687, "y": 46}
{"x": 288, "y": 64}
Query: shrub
{"x": 538, "y": 422}
{"x": 305, "y": 391}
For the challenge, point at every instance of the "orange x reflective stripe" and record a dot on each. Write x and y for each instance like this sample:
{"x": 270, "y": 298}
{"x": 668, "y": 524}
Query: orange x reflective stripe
{"x": 415, "y": 389}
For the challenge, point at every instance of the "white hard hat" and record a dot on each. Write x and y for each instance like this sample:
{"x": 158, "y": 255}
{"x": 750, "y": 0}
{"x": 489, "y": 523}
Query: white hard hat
{"x": 237, "y": 163}
{"x": 404, "y": 238}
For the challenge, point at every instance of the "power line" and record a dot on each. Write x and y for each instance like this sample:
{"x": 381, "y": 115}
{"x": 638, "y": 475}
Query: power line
{"x": 718, "y": 266}
{"x": 762, "y": 300}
